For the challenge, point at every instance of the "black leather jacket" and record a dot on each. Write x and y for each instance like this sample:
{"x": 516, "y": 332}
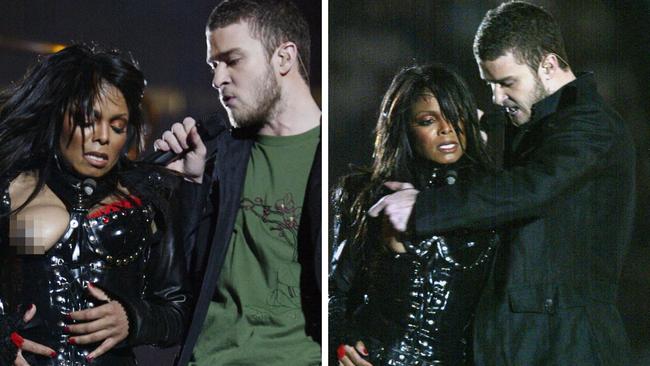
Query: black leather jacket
{"x": 413, "y": 308}
{"x": 128, "y": 251}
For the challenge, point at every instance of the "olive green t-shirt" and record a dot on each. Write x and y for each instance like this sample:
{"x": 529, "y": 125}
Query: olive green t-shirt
{"x": 255, "y": 317}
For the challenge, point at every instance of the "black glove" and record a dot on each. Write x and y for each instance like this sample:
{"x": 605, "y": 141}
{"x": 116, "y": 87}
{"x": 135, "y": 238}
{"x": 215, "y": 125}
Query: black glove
{"x": 9, "y": 325}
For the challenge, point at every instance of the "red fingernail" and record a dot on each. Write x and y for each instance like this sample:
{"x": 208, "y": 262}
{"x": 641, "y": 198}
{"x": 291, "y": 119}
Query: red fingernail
{"x": 29, "y": 307}
{"x": 17, "y": 340}
{"x": 364, "y": 351}
{"x": 68, "y": 316}
{"x": 90, "y": 358}
{"x": 66, "y": 329}
{"x": 90, "y": 284}
{"x": 53, "y": 354}
{"x": 72, "y": 341}
{"x": 340, "y": 352}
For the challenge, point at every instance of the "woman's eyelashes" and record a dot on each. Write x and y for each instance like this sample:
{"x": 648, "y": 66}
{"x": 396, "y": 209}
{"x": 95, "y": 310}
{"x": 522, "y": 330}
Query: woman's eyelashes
{"x": 427, "y": 121}
{"x": 119, "y": 130}
{"x": 118, "y": 126}
{"x": 120, "y": 123}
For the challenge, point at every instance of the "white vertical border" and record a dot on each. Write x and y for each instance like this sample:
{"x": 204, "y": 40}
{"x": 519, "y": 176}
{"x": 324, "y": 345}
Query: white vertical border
{"x": 324, "y": 179}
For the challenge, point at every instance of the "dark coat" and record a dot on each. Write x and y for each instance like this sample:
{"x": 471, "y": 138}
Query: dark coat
{"x": 568, "y": 200}
{"x": 209, "y": 213}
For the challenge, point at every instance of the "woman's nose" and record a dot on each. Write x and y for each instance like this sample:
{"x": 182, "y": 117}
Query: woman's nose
{"x": 100, "y": 132}
{"x": 445, "y": 128}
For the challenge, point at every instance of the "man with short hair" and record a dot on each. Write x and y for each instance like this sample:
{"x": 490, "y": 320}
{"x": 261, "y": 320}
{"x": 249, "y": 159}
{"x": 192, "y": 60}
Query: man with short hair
{"x": 254, "y": 222}
{"x": 566, "y": 197}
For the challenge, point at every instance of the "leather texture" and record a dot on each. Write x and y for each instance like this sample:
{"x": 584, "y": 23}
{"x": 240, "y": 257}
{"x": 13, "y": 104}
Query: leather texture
{"x": 130, "y": 252}
{"x": 412, "y": 308}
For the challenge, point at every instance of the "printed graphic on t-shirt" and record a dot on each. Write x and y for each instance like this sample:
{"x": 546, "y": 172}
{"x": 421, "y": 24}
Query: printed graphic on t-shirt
{"x": 281, "y": 217}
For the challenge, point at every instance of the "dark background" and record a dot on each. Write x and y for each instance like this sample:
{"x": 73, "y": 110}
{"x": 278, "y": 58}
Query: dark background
{"x": 371, "y": 40}
{"x": 166, "y": 37}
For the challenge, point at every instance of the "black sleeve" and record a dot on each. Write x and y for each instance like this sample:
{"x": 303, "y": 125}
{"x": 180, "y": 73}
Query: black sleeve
{"x": 8, "y": 325}
{"x": 340, "y": 283}
{"x": 192, "y": 200}
{"x": 344, "y": 267}
{"x": 162, "y": 316}
{"x": 573, "y": 150}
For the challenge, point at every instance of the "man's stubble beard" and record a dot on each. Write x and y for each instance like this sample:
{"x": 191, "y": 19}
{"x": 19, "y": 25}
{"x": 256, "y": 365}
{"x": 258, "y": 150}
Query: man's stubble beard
{"x": 266, "y": 101}
{"x": 538, "y": 94}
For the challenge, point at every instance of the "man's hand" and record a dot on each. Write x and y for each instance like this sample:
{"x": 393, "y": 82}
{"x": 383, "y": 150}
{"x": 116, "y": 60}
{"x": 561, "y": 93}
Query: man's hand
{"x": 351, "y": 356}
{"x": 29, "y": 346}
{"x": 107, "y": 323}
{"x": 183, "y": 137}
{"x": 396, "y": 206}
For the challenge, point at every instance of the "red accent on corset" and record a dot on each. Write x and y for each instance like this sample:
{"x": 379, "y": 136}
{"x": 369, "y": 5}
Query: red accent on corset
{"x": 115, "y": 207}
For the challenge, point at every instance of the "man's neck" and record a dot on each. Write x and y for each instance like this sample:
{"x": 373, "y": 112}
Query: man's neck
{"x": 296, "y": 113}
{"x": 561, "y": 79}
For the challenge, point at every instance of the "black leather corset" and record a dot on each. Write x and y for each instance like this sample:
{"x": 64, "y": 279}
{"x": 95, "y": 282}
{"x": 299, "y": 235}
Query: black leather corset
{"x": 419, "y": 305}
{"x": 109, "y": 249}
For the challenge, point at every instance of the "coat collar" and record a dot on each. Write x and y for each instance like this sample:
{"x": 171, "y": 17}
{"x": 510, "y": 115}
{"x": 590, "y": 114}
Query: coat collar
{"x": 582, "y": 88}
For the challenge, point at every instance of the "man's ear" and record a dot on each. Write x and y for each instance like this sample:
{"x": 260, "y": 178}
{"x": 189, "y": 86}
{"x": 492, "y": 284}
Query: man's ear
{"x": 287, "y": 56}
{"x": 549, "y": 66}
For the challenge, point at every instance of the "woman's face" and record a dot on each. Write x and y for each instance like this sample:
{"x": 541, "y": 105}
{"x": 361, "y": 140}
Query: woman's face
{"x": 433, "y": 136}
{"x": 94, "y": 153}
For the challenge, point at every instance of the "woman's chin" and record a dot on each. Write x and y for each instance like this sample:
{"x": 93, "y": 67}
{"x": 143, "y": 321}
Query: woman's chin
{"x": 446, "y": 159}
{"x": 90, "y": 171}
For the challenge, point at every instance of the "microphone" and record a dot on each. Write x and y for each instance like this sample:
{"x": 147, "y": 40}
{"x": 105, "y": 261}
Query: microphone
{"x": 443, "y": 176}
{"x": 88, "y": 186}
{"x": 451, "y": 177}
{"x": 213, "y": 126}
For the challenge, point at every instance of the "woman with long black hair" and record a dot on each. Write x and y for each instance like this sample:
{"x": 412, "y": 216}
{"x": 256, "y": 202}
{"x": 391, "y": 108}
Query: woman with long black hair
{"x": 88, "y": 266}
{"x": 397, "y": 299}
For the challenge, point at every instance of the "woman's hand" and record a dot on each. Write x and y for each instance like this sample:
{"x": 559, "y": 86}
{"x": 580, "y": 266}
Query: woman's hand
{"x": 28, "y": 346}
{"x": 107, "y": 323}
{"x": 351, "y": 356}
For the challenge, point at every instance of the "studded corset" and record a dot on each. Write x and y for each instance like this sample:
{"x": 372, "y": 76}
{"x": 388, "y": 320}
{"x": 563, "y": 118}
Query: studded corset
{"x": 108, "y": 247}
{"x": 416, "y": 307}
{"x": 420, "y": 304}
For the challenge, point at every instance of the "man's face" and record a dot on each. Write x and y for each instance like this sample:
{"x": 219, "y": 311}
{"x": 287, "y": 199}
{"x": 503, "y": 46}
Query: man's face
{"x": 514, "y": 86}
{"x": 243, "y": 75}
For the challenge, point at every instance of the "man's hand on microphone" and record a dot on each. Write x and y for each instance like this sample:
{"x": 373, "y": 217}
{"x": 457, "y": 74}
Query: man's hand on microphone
{"x": 183, "y": 138}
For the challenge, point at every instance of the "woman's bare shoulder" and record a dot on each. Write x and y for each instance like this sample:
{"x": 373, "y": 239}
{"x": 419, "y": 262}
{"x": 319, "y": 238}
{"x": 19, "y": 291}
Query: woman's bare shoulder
{"x": 42, "y": 221}
{"x": 21, "y": 187}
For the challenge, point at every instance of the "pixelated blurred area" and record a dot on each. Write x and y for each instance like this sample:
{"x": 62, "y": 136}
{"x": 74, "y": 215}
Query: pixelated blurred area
{"x": 26, "y": 234}
{"x": 370, "y": 40}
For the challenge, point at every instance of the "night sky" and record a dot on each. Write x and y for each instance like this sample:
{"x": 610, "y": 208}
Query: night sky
{"x": 167, "y": 39}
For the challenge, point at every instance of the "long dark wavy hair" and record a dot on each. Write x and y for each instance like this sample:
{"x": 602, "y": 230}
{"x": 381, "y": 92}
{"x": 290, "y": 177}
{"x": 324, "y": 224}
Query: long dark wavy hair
{"x": 394, "y": 157}
{"x": 70, "y": 81}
